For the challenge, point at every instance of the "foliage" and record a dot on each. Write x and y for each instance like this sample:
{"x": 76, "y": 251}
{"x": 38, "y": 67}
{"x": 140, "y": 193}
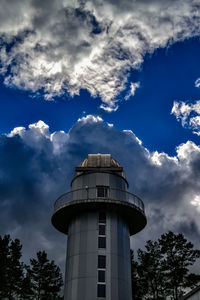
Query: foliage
{"x": 26, "y": 290}
{"x": 11, "y": 269}
{"x": 150, "y": 268}
{"x": 46, "y": 277}
{"x": 162, "y": 270}
{"x": 139, "y": 287}
{"x": 178, "y": 255}
{"x": 41, "y": 280}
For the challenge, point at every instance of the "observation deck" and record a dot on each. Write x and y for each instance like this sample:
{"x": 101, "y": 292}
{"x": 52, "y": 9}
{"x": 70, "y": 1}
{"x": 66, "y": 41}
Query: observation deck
{"x": 126, "y": 204}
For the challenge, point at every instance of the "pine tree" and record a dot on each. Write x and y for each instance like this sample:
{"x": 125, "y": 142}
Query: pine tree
{"x": 150, "y": 271}
{"x": 139, "y": 287}
{"x": 178, "y": 255}
{"x": 4, "y": 265}
{"x": 45, "y": 277}
{"x": 11, "y": 269}
{"x": 26, "y": 291}
{"x": 42, "y": 280}
{"x": 162, "y": 270}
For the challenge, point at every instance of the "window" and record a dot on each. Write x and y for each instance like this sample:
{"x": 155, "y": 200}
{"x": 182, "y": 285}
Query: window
{"x": 101, "y": 290}
{"x": 102, "y": 242}
{"x": 102, "y": 191}
{"x": 102, "y": 217}
{"x": 101, "y": 276}
{"x": 102, "y": 229}
{"x": 101, "y": 261}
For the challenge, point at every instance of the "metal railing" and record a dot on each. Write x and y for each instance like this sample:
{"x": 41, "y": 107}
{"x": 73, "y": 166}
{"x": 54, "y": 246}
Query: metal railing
{"x": 92, "y": 194}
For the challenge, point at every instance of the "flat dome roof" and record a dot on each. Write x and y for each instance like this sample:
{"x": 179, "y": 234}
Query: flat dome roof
{"x": 99, "y": 161}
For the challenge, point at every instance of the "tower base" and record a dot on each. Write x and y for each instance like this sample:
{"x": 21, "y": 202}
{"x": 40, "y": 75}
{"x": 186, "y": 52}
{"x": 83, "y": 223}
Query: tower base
{"x": 98, "y": 258}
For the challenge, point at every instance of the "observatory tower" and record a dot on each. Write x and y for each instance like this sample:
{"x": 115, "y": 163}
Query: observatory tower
{"x": 98, "y": 215}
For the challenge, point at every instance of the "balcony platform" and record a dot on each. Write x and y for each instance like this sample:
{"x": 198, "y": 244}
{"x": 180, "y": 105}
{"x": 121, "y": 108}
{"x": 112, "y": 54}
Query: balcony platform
{"x": 126, "y": 204}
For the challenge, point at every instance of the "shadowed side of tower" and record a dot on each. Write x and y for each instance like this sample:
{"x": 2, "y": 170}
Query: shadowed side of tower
{"x": 99, "y": 215}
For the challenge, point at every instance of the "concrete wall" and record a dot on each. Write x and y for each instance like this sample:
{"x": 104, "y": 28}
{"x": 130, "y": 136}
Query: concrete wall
{"x": 82, "y": 258}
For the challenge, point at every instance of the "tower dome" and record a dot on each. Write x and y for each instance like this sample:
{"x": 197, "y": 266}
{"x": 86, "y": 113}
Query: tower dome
{"x": 99, "y": 161}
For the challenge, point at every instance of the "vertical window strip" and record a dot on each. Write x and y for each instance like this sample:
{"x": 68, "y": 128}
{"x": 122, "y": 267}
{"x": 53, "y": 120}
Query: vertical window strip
{"x": 101, "y": 284}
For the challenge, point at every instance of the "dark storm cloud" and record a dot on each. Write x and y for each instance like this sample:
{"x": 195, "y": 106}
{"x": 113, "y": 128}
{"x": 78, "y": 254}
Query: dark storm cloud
{"x": 36, "y": 166}
{"x": 61, "y": 47}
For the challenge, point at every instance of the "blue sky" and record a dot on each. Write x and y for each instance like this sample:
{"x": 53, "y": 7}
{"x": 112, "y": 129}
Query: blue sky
{"x": 120, "y": 78}
{"x": 166, "y": 75}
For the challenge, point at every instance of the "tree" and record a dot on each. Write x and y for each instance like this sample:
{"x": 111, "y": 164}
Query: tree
{"x": 46, "y": 278}
{"x": 139, "y": 287}
{"x": 4, "y": 265}
{"x": 150, "y": 271}
{"x": 178, "y": 255}
{"x": 26, "y": 291}
{"x": 162, "y": 270}
{"x": 42, "y": 280}
{"x": 11, "y": 269}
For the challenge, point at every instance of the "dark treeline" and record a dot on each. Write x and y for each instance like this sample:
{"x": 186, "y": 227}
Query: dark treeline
{"x": 41, "y": 280}
{"x": 162, "y": 270}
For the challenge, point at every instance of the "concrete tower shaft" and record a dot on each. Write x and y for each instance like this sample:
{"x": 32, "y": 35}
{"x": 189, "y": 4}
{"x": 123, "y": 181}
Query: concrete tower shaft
{"x": 99, "y": 215}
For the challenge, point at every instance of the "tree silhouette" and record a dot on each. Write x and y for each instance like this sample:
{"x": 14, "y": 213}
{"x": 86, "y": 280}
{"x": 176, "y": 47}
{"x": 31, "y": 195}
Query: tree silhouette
{"x": 162, "y": 270}
{"x": 139, "y": 286}
{"x": 11, "y": 269}
{"x": 41, "y": 280}
{"x": 178, "y": 255}
{"x": 26, "y": 291}
{"x": 150, "y": 270}
{"x": 46, "y": 279}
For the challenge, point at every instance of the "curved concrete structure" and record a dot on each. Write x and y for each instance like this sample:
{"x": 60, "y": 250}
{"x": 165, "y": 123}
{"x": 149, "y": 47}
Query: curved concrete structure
{"x": 99, "y": 215}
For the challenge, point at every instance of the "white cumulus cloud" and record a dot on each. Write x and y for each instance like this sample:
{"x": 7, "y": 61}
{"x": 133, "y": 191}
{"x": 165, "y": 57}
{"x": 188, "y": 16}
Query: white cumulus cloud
{"x": 90, "y": 119}
{"x": 188, "y": 114}
{"x": 59, "y": 47}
